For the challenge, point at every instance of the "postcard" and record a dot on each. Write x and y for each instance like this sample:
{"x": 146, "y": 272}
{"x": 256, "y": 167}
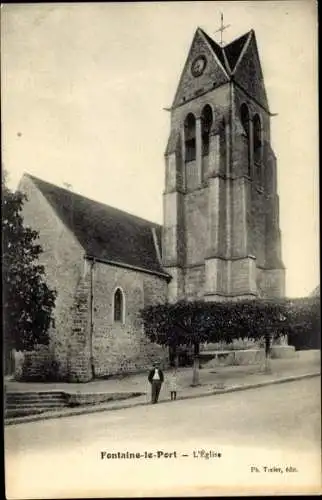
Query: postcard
{"x": 160, "y": 249}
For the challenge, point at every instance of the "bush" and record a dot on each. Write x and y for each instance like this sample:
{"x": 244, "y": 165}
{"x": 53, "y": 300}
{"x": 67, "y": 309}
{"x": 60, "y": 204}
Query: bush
{"x": 303, "y": 339}
{"x": 305, "y": 323}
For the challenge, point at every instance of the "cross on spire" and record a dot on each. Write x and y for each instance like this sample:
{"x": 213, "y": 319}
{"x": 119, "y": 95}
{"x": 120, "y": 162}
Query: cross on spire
{"x": 222, "y": 28}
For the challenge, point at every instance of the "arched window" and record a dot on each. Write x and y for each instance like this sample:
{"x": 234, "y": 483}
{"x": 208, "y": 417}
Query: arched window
{"x": 206, "y": 123}
{"x": 190, "y": 137}
{"x": 119, "y": 306}
{"x": 244, "y": 117}
{"x": 257, "y": 142}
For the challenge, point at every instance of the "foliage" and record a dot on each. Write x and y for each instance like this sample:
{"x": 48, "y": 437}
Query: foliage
{"x": 305, "y": 322}
{"x": 304, "y": 311}
{"x": 190, "y": 323}
{"x": 28, "y": 302}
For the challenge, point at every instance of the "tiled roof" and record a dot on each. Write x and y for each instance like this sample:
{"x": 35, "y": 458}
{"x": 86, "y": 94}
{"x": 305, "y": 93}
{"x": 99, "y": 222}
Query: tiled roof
{"x": 104, "y": 232}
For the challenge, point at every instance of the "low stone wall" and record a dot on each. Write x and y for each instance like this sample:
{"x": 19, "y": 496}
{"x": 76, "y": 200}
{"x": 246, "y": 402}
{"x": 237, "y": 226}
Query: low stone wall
{"x": 235, "y": 345}
{"x": 244, "y": 356}
{"x": 283, "y": 351}
{"x": 228, "y": 358}
{"x": 38, "y": 365}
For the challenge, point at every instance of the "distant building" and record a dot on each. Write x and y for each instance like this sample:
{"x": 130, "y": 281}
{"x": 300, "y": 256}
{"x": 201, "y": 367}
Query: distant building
{"x": 220, "y": 238}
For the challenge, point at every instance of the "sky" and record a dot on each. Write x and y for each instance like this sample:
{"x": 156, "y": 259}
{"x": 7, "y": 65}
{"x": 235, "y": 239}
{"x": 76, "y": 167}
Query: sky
{"x": 84, "y": 87}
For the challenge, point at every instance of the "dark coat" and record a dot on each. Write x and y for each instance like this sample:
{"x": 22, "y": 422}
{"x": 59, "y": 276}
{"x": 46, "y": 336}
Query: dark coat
{"x": 150, "y": 377}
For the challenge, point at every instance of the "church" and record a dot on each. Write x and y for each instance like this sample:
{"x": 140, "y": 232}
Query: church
{"x": 220, "y": 238}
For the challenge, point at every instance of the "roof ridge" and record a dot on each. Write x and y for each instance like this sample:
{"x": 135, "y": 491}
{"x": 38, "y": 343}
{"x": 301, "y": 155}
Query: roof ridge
{"x": 208, "y": 36}
{"x": 238, "y": 38}
{"x": 235, "y": 48}
{"x": 216, "y": 48}
{"x": 120, "y": 211}
{"x": 248, "y": 37}
{"x": 220, "y": 51}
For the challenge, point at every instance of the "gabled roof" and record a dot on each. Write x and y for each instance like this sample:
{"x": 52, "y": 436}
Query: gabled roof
{"x": 227, "y": 59}
{"x": 106, "y": 233}
{"x": 215, "y": 47}
{"x": 232, "y": 57}
{"x": 234, "y": 49}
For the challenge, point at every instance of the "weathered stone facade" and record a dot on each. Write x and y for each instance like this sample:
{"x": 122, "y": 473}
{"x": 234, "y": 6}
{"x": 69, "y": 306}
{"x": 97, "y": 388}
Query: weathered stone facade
{"x": 221, "y": 236}
{"x": 64, "y": 263}
{"x": 123, "y": 347}
{"x": 98, "y": 345}
{"x": 85, "y": 340}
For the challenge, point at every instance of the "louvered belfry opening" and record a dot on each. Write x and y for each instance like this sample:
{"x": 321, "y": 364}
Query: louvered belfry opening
{"x": 245, "y": 118}
{"x": 190, "y": 137}
{"x": 257, "y": 138}
{"x": 206, "y": 124}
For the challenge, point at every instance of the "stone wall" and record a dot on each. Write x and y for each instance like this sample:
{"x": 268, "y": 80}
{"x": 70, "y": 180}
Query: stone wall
{"x": 196, "y": 226}
{"x": 211, "y": 359}
{"x": 108, "y": 348}
{"x": 79, "y": 343}
{"x": 38, "y": 365}
{"x": 230, "y": 212}
{"x": 195, "y": 282}
{"x": 63, "y": 260}
{"x": 239, "y": 237}
{"x": 271, "y": 282}
{"x": 257, "y": 225}
{"x": 79, "y": 349}
{"x": 213, "y": 75}
{"x": 123, "y": 347}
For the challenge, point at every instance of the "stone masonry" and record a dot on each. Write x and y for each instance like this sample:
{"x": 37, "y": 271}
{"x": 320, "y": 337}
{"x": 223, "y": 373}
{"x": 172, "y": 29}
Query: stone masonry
{"x": 64, "y": 263}
{"x": 221, "y": 236}
{"x": 85, "y": 341}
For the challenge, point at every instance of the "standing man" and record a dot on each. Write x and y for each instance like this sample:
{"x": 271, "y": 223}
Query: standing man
{"x": 156, "y": 379}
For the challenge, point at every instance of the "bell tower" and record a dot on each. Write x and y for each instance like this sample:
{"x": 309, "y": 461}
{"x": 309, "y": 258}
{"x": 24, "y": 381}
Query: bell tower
{"x": 221, "y": 236}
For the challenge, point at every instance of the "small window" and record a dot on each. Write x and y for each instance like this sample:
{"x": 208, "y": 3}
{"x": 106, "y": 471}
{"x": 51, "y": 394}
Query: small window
{"x": 118, "y": 306}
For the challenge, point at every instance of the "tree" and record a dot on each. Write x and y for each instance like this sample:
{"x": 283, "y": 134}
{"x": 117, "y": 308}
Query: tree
{"x": 191, "y": 323}
{"x": 173, "y": 325}
{"x": 28, "y": 302}
{"x": 304, "y": 317}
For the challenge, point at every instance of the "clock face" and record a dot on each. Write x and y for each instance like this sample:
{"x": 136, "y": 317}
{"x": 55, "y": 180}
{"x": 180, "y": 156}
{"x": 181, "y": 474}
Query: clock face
{"x": 198, "y": 65}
